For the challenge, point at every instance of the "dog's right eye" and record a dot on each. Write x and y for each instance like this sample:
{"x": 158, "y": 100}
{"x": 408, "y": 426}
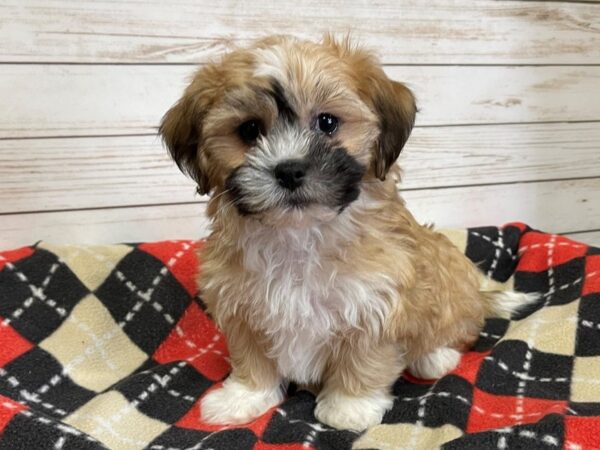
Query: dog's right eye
{"x": 250, "y": 130}
{"x": 327, "y": 123}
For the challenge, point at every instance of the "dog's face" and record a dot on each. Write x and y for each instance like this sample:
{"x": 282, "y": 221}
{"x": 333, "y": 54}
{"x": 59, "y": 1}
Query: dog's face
{"x": 289, "y": 127}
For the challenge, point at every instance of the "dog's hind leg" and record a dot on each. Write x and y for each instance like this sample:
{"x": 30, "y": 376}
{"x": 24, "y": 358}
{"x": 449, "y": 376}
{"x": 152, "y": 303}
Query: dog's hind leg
{"x": 435, "y": 364}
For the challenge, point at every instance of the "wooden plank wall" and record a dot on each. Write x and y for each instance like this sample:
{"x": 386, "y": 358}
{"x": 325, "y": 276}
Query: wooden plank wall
{"x": 509, "y": 96}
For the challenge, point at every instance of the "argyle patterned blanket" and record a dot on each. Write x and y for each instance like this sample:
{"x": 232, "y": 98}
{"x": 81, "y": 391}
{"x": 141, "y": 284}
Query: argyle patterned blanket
{"x": 110, "y": 347}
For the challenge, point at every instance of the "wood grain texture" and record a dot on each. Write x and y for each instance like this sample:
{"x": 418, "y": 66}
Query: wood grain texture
{"x": 404, "y": 31}
{"x": 64, "y": 100}
{"x": 73, "y": 173}
{"x": 496, "y": 81}
{"x": 555, "y": 206}
{"x": 487, "y": 154}
{"x": 104, "y": 226}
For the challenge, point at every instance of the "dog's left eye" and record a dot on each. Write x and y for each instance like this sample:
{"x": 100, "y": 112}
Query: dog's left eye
{"x": 327, "y": 123}
{"x": 250, "y": 130}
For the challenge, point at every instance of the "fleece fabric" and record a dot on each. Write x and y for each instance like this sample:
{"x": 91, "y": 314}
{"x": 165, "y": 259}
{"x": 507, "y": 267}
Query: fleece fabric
{"x": 110, "y": 347}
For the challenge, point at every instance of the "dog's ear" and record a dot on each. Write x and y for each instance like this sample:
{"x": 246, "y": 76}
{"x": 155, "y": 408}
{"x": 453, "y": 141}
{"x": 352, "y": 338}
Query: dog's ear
{"x": 181, "y": 130}
{"x": 395, "y": 106}
{"x": 392, "y": 102}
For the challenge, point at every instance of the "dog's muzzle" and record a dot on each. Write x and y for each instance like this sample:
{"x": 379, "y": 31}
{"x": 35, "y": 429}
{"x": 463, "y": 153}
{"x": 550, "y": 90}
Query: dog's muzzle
{"x": 323, "y": 175}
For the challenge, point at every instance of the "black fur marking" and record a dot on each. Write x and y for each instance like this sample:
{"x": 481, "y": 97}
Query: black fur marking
{"x": 396, "y": 120}
{"x": 349, "y": 172}
{"x": 236, "y": 192}
{"x": 340, "y": 171}
{"x": 284, "y": 108}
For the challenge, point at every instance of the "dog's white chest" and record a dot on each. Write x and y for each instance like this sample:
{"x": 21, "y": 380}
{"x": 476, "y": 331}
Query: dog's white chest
{"x": 302, "y": 314}
{"x": 304, "y": 303}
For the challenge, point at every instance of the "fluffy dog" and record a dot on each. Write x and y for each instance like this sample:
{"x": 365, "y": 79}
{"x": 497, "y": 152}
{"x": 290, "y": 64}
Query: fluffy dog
{"x": 315, "y": 270}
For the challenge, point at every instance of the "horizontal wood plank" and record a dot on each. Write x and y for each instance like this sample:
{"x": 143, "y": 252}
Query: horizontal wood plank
{"x": 74, "y": 173}
{"x": 556, "y": 206}
{"x": 489, "y": 154}
{"x": 553, "y": 206}
{"x": 105, "y": 226}
{"x": 403, "y": 31}
{"x": 587, "y": 237}
{"x": 65, "y": 100}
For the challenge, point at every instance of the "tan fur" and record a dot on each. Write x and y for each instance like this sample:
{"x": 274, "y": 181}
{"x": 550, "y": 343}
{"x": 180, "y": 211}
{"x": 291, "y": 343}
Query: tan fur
{"x": 436, "y": 300}
{"x": 441, "y": 303}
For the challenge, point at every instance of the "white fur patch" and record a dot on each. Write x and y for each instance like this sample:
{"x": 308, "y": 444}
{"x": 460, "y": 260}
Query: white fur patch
{"x": 284, "y": 142}
{"x": 272, "y": 62}
{"x": 436, "y": 364}
{"x": 507, "y": 302}
{"x": 343, "y": 411}
{"x": 301, "y": 300}
{"x": 235, "y": 403}
{"x": 295, "y": 294}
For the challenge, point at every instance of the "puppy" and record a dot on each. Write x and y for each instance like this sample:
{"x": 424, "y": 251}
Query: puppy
{"x": 315, "y": 270}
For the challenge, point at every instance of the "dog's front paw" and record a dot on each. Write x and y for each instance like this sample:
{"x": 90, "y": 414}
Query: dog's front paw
{"x": 343, "y": 411}
{"x": 235, "y": 403}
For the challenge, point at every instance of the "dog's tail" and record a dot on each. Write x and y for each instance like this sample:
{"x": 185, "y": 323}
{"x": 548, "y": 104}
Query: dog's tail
{"x": 504, "y": 303}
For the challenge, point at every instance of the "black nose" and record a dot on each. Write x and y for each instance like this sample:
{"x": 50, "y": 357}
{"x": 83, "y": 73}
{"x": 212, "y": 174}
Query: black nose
{"x": 290, "y": 174}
